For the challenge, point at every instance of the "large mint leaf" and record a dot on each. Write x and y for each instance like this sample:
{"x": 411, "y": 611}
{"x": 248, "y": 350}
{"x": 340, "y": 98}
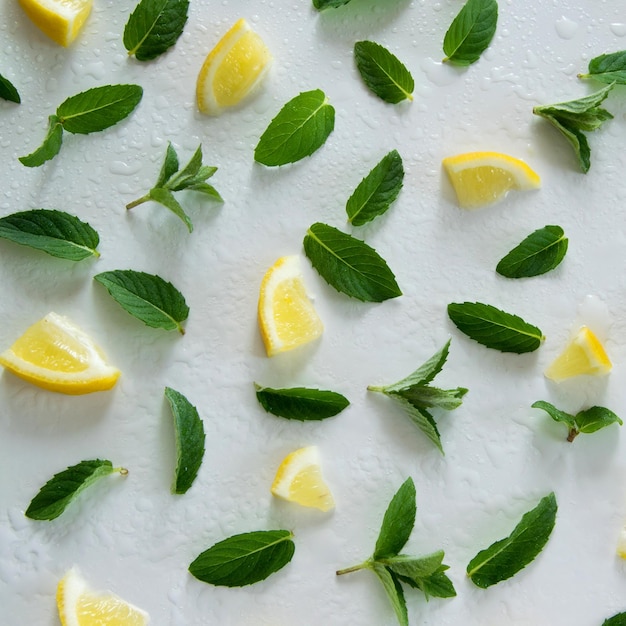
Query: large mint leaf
{"x": 349, "y": 264}
{"x": 301, "y": 403}
{"x": 397, "y": 523}
{"x": 608, "y": 68}
{"x": 55, "y": 232}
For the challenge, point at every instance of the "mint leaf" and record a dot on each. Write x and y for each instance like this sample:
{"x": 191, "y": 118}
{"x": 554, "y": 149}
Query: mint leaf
{"x": 320, "y": 5}
{"x": 375, "y": 193}
{"x": 506, "y": 557}
{"x": 494, "y": 328}
{"x": 189, "y": 434}
{"x": 414, "y": 567}
{"x": 383, "y": 73}
{"x": 8, "y": 90}
{"x": 98, "y": 108}
{"x": 49, "y": 148}
{"x": 349, "y": 264}
{"x": 416, "y": 396}
{"x": 244, "y": 559}
{"x": 398, "y": 522}
{"x": 54, "y": 497}
{"x": 437, "y": 584}
{"x": 300, "y": 128}
{"x": 59, "y": 234}
{"x": 616, "y": 620}
{"x": 587, "y": 421}
{"x": 574, "y": 117}
{"x": 154, "y": 27}
{"x": 147, "y": 297}
{"x": 191, "y": 177}
{"x": 394, "y": 592}
{"x": 608, "y": 68}
{"x": 471, "y": 32}
{"x": 300, "y": 403}
{"x": 537, "y": 254}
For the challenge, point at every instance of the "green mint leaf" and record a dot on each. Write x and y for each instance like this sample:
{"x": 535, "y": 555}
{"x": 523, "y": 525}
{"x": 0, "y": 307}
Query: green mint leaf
{"x": 394, "y": 592}
{"x": 98, "y": 108}
{"x": 375, "y": 193}
{"x": 426, "y": 397}
{"x": 494, "y": 328}
{"x": 147, "y": 297}
{"x": 574, "y": 117}
{"x": 537, "y": 254}
{"x": 397, "y": 523}
{"x": 300, "y": 403}
{"x": 8, "y": 90}
{"x": 54, "y": 497}
{"x": 508, "y": 556}
{"x": 320, "y": 5}
{"x": 437, "y": 585}
{"x": 597, "y": 417}
{"x": 300, "y": 128}
{"x": 414, "y": 567}
{"x": 244, "y": 559}
{"x": 154, "y": 27}
{"x": 383, "y": 73}
{"x": 189, "y": 434}
{"x": 349, "y": 264}
{"x": 616, "y": 620}
{"x": 422, "y": 419}
{"x": 49, "y": 148}
{"x": 557, "y": 415}
{"x": 471, "y": 32}
{"x": 170, "y": 179}
{"x": 59, "y": 234}
{"x": 608, "y": 68}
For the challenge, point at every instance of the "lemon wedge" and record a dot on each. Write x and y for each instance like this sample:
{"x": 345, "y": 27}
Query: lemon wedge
{"x": 287, "y": 318}
{"x": 61, "y": 20}
{"x": 584, "y": 354}
{"x": 80, "y": 606}
{"x": 299, "y": 479}
{"x": 232, "y": 70}
{"x": 55, "y": 354}
{"x": 621, "y": 543}
{"x": 482, "y": 178}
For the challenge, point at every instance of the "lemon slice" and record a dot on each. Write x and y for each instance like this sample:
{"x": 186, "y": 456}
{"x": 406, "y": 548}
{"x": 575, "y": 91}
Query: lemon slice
{"x": 55, "y": 354}
{"x": 584, "y": 354}
{"x": 80, "y": 606}
{"x": 232, "y": 70}
{"x": 299, "y": 479}
{"x": 482, "y": 178}
{"x": 61, "y": 20}
{"x": 287, "y": 318}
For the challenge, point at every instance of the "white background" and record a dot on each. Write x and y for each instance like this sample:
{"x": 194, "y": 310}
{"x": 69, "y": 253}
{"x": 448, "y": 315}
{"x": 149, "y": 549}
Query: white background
{"x": 130, "y": 534}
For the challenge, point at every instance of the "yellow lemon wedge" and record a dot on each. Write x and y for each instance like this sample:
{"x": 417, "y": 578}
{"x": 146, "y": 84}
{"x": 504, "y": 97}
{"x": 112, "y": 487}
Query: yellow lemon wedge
{"x": 80, "y": 606}
{"x": 299, "y": 479}
{"x": 55, "y": 354}
{"x": 232, "y": 70}
{"x": 621, "y": 543}
{"x": 482, "y": 178}
{"x": 584, "y": 354}
{"x": 287, "y": 318}
{"x": 61, "y": 20}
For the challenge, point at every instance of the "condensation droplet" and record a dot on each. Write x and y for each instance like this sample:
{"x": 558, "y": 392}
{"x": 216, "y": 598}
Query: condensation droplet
{"x": 618, "y": 28}
{"x": 566, "y": 28}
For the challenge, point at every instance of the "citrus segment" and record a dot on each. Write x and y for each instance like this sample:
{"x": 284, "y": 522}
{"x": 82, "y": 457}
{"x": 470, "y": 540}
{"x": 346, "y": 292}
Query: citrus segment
{"x": 287, "y": 318}
{"x": 621, "y": 543}
{"x": 55, "y": 354}
{"x": 584, "y": 354}
{"x": 80, "y": 606}
{"x": 61, "y": 20}
{"x": 482, "y": 178}
{"x": 299, "y": 479}
{"x": 232, "y": 70}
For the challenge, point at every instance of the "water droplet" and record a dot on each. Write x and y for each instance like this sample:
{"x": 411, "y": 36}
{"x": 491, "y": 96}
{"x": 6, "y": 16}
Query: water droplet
{"x": 440, "y": 74}
{"x": 566, "y": 28}
{"x": 618, "y": 28}
{"x": 124, "y": 169}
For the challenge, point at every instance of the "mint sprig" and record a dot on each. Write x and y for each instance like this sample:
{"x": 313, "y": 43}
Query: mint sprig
{"x": 58, "y": 233}
{"x": 154, "y": 27}
{"x": 301, "y": 403}
{"x": 90, "y": 111}
{"x": 394, "y": 569}
{"x": 55, "y": 496}
{"x": 508, "y": 556}
{"x": 192, "y": 177}
{"x": 415, "y": 394}
{"x": 587, "y": 421}
{"x": 244, "y": 559}
{"x": 575, "y": 117}
{"x": 471, "y": 32}
{"x": 383, "y": 73}
{"x": 608, "y": 68}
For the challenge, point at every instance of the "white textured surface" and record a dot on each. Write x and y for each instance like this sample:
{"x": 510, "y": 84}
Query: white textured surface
{"x": 131, "y": 535}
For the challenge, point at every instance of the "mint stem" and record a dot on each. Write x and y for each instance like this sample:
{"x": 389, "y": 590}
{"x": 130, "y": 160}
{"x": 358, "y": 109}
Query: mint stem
{"x": 374, "y": 388}
{"x": 572, "y": 434}
{"x": 354, "y": 568}
{"x": 139, "y": 201}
